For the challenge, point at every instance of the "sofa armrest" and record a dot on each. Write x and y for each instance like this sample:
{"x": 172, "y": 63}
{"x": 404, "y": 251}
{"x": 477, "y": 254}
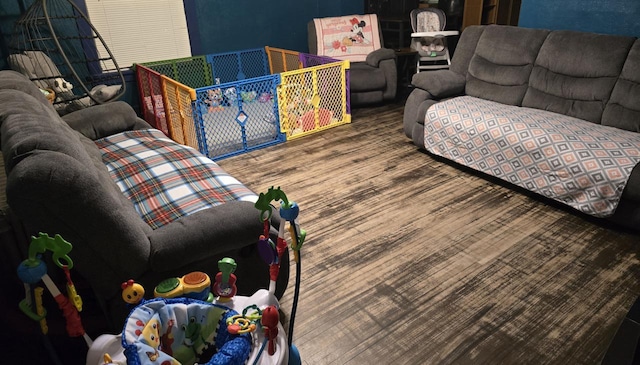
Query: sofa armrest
{"x": 103, "y": 120}
{"x": 208, "y": 232}
{"x": 374, "y": 58}
{"x": 440, "y": 83}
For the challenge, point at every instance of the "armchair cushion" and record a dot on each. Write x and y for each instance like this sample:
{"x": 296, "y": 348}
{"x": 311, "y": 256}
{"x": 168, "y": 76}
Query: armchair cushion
{"x": 374, "y": 58}
{"x": 366, "y": 78}
{"x": 104, "y": 120}
{"x": 440, "y": 83}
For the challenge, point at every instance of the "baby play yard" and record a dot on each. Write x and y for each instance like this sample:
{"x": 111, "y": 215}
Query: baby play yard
{"x": 229, "y": 103}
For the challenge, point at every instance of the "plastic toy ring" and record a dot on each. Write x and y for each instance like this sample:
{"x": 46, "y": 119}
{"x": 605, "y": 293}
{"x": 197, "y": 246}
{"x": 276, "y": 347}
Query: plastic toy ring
{"x": 240, "y": 325}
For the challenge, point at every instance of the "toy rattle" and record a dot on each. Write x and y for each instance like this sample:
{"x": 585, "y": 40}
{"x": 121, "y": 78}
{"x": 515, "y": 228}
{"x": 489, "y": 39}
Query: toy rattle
{"x": 272, "y": 254}
{"x": 225, "y": 281}
{"x": 33, "y": 269}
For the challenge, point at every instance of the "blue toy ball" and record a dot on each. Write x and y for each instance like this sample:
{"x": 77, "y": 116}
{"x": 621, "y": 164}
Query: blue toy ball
{"x": 291, "y": 213}
{"x": 31, "y": 274}
{"x": 294, "y": 356}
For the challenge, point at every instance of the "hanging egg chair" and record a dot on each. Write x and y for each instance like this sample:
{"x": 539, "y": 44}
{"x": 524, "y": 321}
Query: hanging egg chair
{"x": 56, "y": 46}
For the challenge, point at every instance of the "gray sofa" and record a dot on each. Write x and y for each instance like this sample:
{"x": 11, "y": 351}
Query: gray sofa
{"x": 58, "y": 183}
{"x": 570, "y": 79}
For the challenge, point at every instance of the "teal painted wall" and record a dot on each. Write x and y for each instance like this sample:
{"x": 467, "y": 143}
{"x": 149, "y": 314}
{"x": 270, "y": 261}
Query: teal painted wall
{"x": 9, "y": 13}
{"x": 609, "y": 17}
{"x": 224, "y": 25}
{"x": 221, "y": 25}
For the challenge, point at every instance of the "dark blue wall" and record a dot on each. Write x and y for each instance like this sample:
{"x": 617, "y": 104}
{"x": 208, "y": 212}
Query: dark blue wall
{"x": 610, "y": 17}
{"x": 220, "y": 25}
{"x": 10, "y": 11}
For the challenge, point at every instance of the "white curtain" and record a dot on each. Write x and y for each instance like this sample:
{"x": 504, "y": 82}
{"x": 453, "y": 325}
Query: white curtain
{"x": 139, "y": 31}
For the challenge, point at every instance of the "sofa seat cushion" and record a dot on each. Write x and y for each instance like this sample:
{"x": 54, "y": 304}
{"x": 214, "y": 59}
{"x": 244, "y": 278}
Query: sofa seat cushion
{"x": 166, "y": 180}
{"x": 581, "y": 164}
{"x": 363, "y": 77}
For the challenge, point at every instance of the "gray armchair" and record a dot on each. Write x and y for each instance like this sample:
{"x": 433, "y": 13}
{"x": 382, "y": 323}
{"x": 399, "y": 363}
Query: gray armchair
{"x": 373, "y": 80}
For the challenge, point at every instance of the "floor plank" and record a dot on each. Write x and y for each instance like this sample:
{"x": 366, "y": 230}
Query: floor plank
{"x": 412, "y": 260}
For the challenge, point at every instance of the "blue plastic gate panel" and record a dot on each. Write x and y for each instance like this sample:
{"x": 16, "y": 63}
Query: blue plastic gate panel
{"x": 236, "y": 117}
{"x": 240, "y": 65}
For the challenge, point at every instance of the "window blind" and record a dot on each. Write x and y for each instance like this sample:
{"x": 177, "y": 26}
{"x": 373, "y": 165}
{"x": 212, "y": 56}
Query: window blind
{"x": 139, "y": 31}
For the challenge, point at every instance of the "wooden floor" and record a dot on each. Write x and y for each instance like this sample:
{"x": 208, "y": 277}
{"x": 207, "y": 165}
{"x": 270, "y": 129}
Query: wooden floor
{"x": 410, "y": 260}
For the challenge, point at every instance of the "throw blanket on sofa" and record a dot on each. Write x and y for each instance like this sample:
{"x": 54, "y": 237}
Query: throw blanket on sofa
{"x": 349, "y": 37}
{"x": 581, "y": 164}
{"x": 166, "y": 180}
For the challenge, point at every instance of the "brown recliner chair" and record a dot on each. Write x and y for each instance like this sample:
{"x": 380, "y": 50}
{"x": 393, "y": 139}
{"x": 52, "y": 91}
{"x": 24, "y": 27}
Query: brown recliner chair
{"x": 358, "y": 38}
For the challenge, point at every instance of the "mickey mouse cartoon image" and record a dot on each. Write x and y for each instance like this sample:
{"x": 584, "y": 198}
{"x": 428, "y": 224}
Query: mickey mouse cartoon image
{"x": 356, "y": 27}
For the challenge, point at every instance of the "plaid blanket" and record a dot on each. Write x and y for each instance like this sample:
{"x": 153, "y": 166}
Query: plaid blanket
{"x": 581, "y": 164}
{"x": 166, "y": 180}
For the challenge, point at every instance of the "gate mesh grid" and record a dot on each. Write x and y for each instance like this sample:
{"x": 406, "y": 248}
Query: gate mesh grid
{"x": 247, "y": 108}
{"x": 312, "y": 99}
{"x": 241, "y": 65}
{"x": 237, "y": 117}
{"x": 151, "y": 98}
{"x": 191, "y": 71}
{"x": 180, "y": 115}
{"x": 311, "y": 60}
{"x": 281, "y": 60}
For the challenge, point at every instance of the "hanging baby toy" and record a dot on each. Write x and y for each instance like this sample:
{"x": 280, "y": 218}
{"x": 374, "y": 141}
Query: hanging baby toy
{"x": 272, "y": 253}
{"x": 33, "y": 270}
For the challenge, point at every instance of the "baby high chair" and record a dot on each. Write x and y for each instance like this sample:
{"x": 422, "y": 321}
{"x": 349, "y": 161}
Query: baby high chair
{"x": 429, "y": 39}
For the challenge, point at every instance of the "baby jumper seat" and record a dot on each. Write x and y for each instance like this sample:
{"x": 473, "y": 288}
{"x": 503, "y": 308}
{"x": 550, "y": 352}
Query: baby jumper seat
{"x": 187, "y": 331}
{"x": 182, "y": 331}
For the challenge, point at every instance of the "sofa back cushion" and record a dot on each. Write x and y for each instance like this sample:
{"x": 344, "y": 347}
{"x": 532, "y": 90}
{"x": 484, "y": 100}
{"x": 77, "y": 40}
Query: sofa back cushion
{"x": 500, "y": 68}
{"x": 13, "y": 80}
{"x": 30, "y": 127}
{"x": 575, "y": 72}
{"x": 623, "y": 109}
{"x": 465, "y": 48}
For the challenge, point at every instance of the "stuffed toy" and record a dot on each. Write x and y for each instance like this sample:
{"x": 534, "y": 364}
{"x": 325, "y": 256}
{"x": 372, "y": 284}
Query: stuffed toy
{"x": 214, "y": 100}
{"x": 39, "y": 67}
{"x": 104, "y": 93}
{"x": 248, "y": 96}
{"x": 230, "y": 95}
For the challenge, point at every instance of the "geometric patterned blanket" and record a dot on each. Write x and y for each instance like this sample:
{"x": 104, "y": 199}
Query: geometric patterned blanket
{"x": 164, "y": 179}
{"x": 578, "y": 163}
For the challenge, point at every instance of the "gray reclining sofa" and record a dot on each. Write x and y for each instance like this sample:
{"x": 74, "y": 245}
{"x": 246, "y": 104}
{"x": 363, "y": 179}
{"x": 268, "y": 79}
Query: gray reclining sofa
{"x": 58, "y": 183}
{"x": 553, "y": 112}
